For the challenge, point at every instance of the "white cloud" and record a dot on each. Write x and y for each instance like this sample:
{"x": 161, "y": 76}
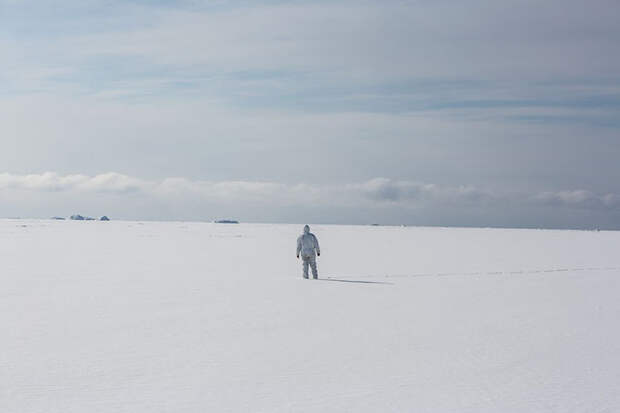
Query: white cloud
{"x": 375, "y": 192}
{"x": 386, "y": 190}
{"x": 579, "y": 198}
{"x": 51, "y": 181}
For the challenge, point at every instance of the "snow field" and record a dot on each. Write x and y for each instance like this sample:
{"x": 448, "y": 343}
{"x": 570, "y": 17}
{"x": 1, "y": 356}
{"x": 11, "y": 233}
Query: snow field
{"x": 194, "y": 317}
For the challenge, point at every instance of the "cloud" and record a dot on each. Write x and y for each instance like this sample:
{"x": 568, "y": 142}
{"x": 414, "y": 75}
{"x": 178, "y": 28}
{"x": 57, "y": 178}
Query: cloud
{"x": 324, "y": 56}
{"x": 391, "y": 38}
{"x": 386, "y": 190}
{"x": 53, "y": 182}
{"x": 374, "y": 192}
{"x": 579, "y": 198}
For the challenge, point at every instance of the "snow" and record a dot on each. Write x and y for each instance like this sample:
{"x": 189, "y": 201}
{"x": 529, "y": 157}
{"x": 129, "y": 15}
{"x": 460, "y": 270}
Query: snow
{"x": 199, "y": 317}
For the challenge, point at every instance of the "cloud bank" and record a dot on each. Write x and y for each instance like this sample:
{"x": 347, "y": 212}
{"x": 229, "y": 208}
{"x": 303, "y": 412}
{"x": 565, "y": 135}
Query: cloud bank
{"x": 374, "y": 196}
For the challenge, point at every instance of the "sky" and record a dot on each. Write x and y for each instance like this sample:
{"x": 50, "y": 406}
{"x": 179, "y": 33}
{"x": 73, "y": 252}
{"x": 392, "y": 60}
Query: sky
{"x": 443, "y": 112}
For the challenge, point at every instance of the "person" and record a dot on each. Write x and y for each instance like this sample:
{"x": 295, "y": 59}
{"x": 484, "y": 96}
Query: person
{"x": 308, "y": 245}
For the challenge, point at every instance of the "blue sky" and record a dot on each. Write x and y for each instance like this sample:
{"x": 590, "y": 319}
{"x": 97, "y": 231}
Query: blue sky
{"x": 516, "y": 100}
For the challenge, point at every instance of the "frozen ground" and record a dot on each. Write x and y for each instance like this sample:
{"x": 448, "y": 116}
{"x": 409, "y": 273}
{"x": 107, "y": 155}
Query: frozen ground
{"x": 198, "y": 317}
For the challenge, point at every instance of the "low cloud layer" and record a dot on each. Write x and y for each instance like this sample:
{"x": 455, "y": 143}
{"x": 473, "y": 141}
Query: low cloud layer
{"x": 196, "y": 199}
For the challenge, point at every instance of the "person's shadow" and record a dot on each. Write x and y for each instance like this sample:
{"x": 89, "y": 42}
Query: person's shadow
{"x": 340, "y": 280}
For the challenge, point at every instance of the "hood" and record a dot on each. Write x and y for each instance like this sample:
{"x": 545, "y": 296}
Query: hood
{"x": 306, "y": 229}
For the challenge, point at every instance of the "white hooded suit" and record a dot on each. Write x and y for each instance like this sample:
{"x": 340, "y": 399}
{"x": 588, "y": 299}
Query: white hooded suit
{"x": 308, "y": 247}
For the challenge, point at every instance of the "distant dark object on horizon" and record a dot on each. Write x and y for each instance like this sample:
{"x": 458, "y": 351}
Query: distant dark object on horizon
{"x": 226, "y": 221}
{"x": 78, "y": 217}
{"x": 104, "y": 218}
{"x": 374, "y": 225}
{"x": 58, "y": 218}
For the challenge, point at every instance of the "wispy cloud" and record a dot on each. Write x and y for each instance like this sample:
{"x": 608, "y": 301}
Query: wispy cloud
{"x": 397, "y": 56}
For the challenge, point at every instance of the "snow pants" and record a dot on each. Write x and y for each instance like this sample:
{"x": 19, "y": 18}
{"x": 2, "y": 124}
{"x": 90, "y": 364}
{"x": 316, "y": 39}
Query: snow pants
{"x": 311, "y": 261}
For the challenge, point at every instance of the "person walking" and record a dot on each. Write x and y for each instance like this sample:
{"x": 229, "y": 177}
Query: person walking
{"x": 308, "y": 246}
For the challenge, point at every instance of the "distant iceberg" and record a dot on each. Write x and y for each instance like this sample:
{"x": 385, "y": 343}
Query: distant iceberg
{"x": 78, "y": 217}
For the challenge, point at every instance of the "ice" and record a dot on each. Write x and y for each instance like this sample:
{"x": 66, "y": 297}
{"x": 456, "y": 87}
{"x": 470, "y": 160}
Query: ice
{"x": 199, "y": 317}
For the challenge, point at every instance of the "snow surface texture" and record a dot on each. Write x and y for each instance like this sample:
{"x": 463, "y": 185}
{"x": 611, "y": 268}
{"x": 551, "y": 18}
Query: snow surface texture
{"x": 201, "y": 317}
